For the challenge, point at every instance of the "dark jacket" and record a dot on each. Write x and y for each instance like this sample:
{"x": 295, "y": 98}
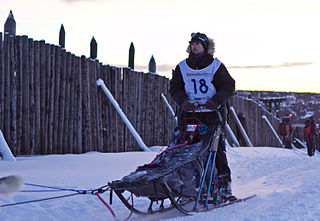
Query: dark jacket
{"x": 222, "y": 81}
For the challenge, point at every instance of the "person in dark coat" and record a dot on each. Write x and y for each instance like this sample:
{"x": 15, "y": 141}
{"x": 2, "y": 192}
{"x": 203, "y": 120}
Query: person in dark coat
{"x": 311, "y": 135}
{"x": 200, "y": 85}
{"x": 286, "y": 129}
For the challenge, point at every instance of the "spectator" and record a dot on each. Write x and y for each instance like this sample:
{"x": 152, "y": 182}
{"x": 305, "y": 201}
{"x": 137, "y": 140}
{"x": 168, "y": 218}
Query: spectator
{"x": 311, "y": 135}
{"x": 286, "y": 129}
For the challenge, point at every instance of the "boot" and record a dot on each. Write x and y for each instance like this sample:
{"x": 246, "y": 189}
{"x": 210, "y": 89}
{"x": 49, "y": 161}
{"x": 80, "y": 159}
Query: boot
{"x": 225, "y": 188}
{"x": 228, "y": 193}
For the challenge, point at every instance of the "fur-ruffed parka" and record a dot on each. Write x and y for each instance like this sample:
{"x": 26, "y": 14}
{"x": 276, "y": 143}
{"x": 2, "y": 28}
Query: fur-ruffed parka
{"x": 223, "y": 82}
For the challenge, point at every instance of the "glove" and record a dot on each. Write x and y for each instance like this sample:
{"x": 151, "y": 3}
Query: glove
{"x": 187, "y": 106}
{"x": 212, "y": 105}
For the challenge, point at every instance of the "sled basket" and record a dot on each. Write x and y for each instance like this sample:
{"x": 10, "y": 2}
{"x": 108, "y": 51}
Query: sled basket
{"x": 180, "y": 168}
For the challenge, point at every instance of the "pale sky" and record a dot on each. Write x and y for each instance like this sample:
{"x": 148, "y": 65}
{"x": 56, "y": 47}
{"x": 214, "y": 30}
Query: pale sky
{"x": 265, "y": 44}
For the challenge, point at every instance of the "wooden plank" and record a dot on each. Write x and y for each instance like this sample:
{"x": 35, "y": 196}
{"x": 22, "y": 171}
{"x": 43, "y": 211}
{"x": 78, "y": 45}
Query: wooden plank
{"x": 45, "y": 74}
{"x": 43, "y": 142}
{"x": 72, "y": 105}
{"x": 150, "y": 133}
{"x": 51, "y": 99}
{"x": 139, "y": 110}
{"x": 115, "y": 119}
{"x": 121, "y": 126}
{"x": 71, "y": 135}
{"x": 86, "y": 115}
{"x": 57, "y": 68}
{"x": 133, "y": 106}
{"x": 125, "y": 105}
{"x": 77, "y": 110}
{"x": 169, "y": 121}
{"x": 6, "y": 86}
{"x": 37, "y": 94}
{"x": 93, "y": 103}
{"x": 13, "y": 97}
{"x": 67, "y": 115}
{"x": 47, "y": 88}
{"x": 99, "y": 128}
{"x": 150, "y": 110}
{"x": 255, "y": 124}
{"x": 100, "y": 111}
{"x": 105, "y": 112}
{"x": 144, "y": 108}
{"x": 19, "y": 71}
{"x": 31, "y": 96}
{"x": 26, "y": 142}
{"x": 165, "y": 124}
{"x": 157, "y": 117}
{"x": 109, "y": 115}
{"x": 62, "y": 98}
{"x": 1, "y": 83}
{"x": 131, "y": 100}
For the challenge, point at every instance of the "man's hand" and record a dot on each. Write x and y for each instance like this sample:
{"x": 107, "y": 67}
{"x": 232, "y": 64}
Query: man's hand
{"x": 187, "y": 106}
{"x": 212, "y": 105}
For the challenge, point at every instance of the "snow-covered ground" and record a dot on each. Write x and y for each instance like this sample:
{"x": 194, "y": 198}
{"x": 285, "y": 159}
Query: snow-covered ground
{"x": 287, "y": 184}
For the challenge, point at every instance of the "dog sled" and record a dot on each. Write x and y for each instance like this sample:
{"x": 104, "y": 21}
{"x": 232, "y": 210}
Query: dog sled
{"x": 184, "y": 174}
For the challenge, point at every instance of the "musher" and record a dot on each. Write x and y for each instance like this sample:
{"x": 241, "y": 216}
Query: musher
{"x": 200, "y": 85}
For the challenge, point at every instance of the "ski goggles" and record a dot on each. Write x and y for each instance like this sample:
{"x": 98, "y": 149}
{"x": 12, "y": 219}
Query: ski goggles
{"x": 198, "y": 37}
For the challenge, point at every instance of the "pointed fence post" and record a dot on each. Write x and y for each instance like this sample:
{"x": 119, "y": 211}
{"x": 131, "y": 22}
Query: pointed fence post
{"x": 152, "y": 65}
{"x": 93, "y": 48}
{"x": 131, "y": 56}
{"x": 10, "y": 25}
{"x": 62, "y": 36}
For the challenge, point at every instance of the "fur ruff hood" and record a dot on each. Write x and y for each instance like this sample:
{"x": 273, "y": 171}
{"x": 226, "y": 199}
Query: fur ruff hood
{"x": 211, "y": 47}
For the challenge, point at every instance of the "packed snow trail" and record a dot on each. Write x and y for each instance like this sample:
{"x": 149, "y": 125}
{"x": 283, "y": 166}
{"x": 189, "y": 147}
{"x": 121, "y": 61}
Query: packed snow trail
{"x": 287, "y": 184}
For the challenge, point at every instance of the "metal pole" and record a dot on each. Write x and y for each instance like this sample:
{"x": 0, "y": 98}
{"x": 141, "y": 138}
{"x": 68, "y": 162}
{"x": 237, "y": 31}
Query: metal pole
{"x": 272, "y": 130}
{"x": 169, "y": 107}
{"x": 243, "y": 132}
{"x": 122, "y": 115}
{"x": 5, "y": 150}
{"x": 233, "y": 137}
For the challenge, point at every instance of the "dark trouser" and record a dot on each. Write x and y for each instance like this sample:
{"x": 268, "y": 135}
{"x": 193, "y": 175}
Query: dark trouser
{"x": 222, "y": 161}
{"x": 210, "y": 119}
{"x": 287, "y": 142}
{"x": 311, "y": 145}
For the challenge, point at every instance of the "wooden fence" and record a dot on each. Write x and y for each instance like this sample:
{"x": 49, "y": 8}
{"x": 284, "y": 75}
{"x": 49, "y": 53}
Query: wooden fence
{"x": 50, "y": 104}
{"x": 258, "y": 131}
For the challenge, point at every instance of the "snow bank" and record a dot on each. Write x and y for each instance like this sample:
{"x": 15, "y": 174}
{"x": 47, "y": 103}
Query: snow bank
{"x": 5, "y": 150}
{"x": 287, "y": 184}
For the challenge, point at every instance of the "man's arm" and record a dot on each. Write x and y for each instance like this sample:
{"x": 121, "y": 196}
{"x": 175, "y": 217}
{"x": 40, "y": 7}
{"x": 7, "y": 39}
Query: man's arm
{"x": 224, "y": 84}
{"x": 177, "y": 87}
